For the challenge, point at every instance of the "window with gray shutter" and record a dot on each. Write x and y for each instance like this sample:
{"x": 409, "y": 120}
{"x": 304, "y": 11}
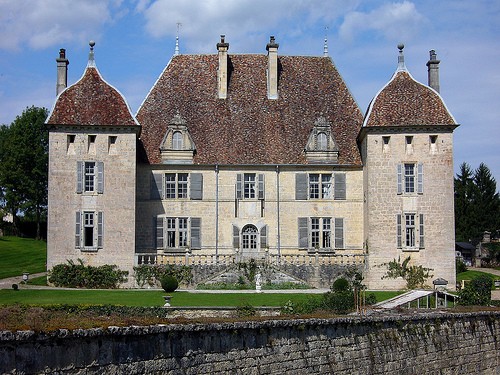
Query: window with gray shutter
{"x": 301, "y": 186}
{"x": 421, "y": 227}
{"x": 261, "y": 186}
{"x": 398, "y": 232}
{"x": 303, "y": 232}
{"x": 156, "y": 186}
{"x": 339, "y": 186}
{"x": 159, "y": 232}
{"x": 100, "y": 229}
{"x": 263, "y": 237}
{"x": 420, "y": 178}
{"x": 78, "y": 230}
{"x": 236, "y": 237}
{"x": 79, "y": 176}
{"x": 400, "y": 178}
{"x": 195, "y": 233}
{"x": 100, "y": 177}
{"x": 196, "y": 189}
{"x": 239, "y": 185}
{"x": 339, "y": 233}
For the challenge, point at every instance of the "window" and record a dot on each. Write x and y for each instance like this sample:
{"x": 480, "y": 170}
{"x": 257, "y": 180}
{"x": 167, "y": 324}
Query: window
{"x": 177, "y": 233}
{"x": 407, "y": 231}
{"x": 90, "y": 177}
{"x": 410, "y": 178}
{"x": 176, "y": 185}
{"x": 177, "y": 141}
{"x": 320, "y": 186}
{"x": 322, "y": 141}
{"x": 249, "y": 237}
{"x": 89, "y": 230}
{"x": 316, "y": 233}
{"x": 250, "y": 186}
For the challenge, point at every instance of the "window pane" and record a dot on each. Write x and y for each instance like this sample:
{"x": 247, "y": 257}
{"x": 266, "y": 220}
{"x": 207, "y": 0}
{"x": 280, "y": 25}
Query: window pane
{"x": 327, "y": 232}
{"x": 170, "y": 232}
{"x": 249, "y": 185}
{"x": 170, "y": 185}
{"x": 182, "y": 180}
{"x": 410, "y": 230}
{"x": 315, "y": 232}
{"x": 177, "y": 143}
{"x": 322, "y": 142}
{"x": 88, "y": 230}
{"x": 89, "y": 176}
{"x": 314, "y": 186}
{"x": 183, "y": 232}
{"x": 326, "y": 186}
{"x": 409, "y": 178}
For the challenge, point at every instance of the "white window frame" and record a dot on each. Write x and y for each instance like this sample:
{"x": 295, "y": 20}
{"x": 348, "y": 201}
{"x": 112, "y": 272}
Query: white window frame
{"x": 409, "y": 177}
{"x": 410, "y": 230}
{"x": 89, "y": 176}
{"x": 249, "y": 185}
{"x": 176, "y": 185}
{"x": 320, "y": 232}
{"x": 320, "y": 185}
{"x": 176, "y": 232}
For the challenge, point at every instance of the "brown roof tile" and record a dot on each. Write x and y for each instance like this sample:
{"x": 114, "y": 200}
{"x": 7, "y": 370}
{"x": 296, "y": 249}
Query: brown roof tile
{"x": 248, "y": 128}
{"x": 404, "y": 101}
{"x": 91, "y": 101}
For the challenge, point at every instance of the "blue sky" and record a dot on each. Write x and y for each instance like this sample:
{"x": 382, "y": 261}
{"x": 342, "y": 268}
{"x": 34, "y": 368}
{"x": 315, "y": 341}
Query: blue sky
{"x": 136, "y": 39}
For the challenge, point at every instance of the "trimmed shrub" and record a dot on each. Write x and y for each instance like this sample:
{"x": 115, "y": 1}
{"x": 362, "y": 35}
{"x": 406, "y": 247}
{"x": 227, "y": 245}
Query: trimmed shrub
{"x": 477, "y": 292}
{"x": 169, "y": 283}
{"x": 340, "y": 285}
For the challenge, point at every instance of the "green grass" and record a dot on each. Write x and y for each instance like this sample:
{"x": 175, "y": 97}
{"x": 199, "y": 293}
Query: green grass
{"x": 469, "y": 275}
{"x": 40, "y": 281}
{"x": 20, "y": 255}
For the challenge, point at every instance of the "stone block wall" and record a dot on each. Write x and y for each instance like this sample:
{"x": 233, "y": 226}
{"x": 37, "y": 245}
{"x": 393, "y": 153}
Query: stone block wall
{"x": 436, "y": 343}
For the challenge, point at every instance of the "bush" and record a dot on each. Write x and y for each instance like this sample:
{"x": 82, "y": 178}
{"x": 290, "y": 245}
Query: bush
{"x": 169, "y": 283}
{"x": 340, "y": 285}
{"x": 339, "y": 302}
{"x": 460, "y": 266}
{"x": 477, "y": 292}
{"x": 152, "y": 274}
{"x": 370, "y": 299}
{"x": 73, "y": 275}
{"x": 246, "y": 310}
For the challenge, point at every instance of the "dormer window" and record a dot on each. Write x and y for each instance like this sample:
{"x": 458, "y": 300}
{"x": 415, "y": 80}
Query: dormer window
{"x": 177, "y": 146}
{"x": 321, "y": 147}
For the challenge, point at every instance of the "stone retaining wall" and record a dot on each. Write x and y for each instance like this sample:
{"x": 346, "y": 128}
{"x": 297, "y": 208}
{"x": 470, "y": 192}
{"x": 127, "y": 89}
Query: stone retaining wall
{"x": 436, "y": 343}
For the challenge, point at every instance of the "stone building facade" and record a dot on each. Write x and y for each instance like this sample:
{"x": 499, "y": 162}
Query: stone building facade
{"x": 238, "y": 157}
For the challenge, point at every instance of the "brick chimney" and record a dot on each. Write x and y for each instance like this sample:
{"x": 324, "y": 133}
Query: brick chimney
{"x": 222, "y": 47}
{"x": 433, "y": 70}
{"x": 272, "y": 69}
{"x": 62, "y": 71}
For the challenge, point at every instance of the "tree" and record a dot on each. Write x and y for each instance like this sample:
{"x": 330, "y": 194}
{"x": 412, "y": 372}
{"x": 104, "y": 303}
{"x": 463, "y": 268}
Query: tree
{"x": 24, "y": 166}
{"x": 477, "y": 203}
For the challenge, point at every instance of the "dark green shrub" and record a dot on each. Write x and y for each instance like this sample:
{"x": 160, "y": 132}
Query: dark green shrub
{"x": 370, "y": 299}
{"x": 169, "y": 283}
{"x": 339, "y": 302}
{"x": 460, "y": 266}
{"x": 477, "y": 292}
{"x": 340, "y": 285}
{"x": 152, "y": 274}
{"x": 73, "y": 275}
{"x": 246, "y": 310}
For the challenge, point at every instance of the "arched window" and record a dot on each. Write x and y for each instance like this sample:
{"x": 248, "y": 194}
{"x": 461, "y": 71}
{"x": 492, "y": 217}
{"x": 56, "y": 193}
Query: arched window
{"x": 249, "y": 234}
{"x": 177, "y": 141}
{"x": 321, "y": 141}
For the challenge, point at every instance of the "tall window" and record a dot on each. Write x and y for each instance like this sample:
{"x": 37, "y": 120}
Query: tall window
{"x": 90, "y": 176}
{"x": 89, "y": 230}
{"x": 177, "y": 232}
{"x": 249, "y": 237}
{"x": 176, "y": 185}
{"x": 322, "y": 142}
{"x": 410, "y": 230}
{"x": 409, "y": 178}
{"x": 177, "y": 141}
{"x": 249, "y": 187}
{"x": 316, "y": 233}
{"x": 320, "y": 186}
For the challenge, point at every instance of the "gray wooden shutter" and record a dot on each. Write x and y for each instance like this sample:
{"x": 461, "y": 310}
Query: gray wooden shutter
{"x": 196, "y": 189}
{"x": 158, "y": 223}
{"x": 420, "y": 178}
{"x": 301, "y": 186}
{"x": 78, "y": 229}
{"x": 398, "y": 231}
{"x": 339, "y": 233}
{"x": 156, "y": 186}
{"x": 195, "y": 233}
{"x": 79, "y": 176}
{"x": 261, "y": 186}
{"x": 421, "y": 227}
{"x": 236, "y": 237}
{"x": 263, "y": 237}
{"x": 339, "y": 186}
{"x": 100, "y": 177}
{"x": 100, "y": 229}
{"x": 303, "y": 232}
{"x": 400, "y": 178}
{"x": 239, "y": 185}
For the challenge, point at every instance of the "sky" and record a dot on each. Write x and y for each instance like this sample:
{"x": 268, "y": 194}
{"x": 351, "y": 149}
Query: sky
{"x": 135, "y": 40}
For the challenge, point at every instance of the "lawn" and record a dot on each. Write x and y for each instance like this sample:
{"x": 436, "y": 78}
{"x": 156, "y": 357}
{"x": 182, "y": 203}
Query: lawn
{"x": 21, "y": 255}
{"x": 469, "y": 275}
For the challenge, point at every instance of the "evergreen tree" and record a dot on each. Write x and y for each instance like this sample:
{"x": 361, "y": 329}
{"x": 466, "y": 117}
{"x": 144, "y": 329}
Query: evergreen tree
{"x": 486, "y": 201}
{"x": 24, "y": 165}
{"x": 464, "y": 186}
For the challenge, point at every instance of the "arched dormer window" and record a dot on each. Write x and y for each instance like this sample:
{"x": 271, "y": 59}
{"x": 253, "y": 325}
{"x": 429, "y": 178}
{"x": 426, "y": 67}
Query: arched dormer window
{"x": 321, "y": 141}
{"x": 177, "y": 141}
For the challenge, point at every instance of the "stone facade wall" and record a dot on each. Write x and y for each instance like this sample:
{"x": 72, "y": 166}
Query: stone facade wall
{"x": 383, "y": 203}
{"x": 433, "y": 344}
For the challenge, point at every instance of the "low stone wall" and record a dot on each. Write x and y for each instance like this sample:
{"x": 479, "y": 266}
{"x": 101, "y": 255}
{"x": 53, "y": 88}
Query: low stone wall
{"x": 433, "y": 344}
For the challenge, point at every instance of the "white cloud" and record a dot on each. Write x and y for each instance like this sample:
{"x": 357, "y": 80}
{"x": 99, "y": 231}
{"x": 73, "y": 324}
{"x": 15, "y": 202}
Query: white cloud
{"x": 43, "y": 23}
{"x": 395, "y": 21}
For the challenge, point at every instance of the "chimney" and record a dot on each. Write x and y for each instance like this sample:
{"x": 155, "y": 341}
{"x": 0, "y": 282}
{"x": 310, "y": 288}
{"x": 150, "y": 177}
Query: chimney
{"x": 272, "y": 69}
{"x": 433, "y": 70}
{"x": 222, "y": 47}
{"x": 62, "y": 71}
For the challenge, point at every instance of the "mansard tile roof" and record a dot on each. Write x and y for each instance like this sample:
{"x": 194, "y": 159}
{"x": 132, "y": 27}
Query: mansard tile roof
{"x": 91, "y": 101}
{"x": 405, "y": 102}
{"x": 247, "y": 127}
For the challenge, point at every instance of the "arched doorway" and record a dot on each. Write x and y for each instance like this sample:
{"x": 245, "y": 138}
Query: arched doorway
{"x": 249, "y": 241}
